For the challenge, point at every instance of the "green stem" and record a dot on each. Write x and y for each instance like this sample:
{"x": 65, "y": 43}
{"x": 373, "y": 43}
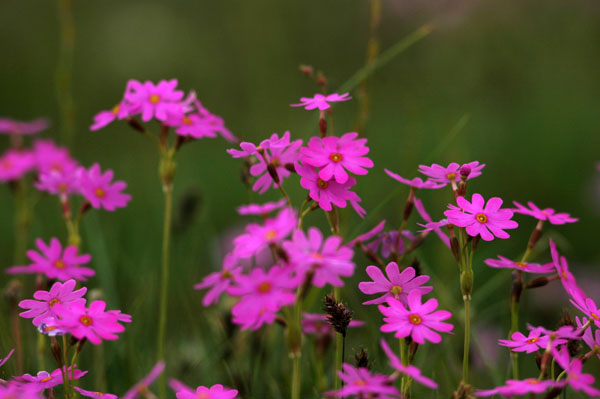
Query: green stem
{"x": 338, "y": 348}
{"x": 65, "y": 369}
{"x": 22, "y": 221}
{"x": 404, "y": 361}
{"x": 465, "y": 376}
{"x": 295, "y": 346}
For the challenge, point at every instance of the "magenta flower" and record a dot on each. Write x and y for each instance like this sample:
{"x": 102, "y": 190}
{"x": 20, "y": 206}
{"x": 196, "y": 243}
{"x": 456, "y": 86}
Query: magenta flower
{"x": 11, "y": 126}
{"x": 248, "y": 149}
{"x": 281, "y": 157}
{"x": 334, "y": 155}
{"x": 18, "y": 390}
{"x": 592, "y": 339}
{"x": 141, "y": 388}
{"x": 97, "y": 188}
{"x": 220, "y": 281}
{"x": 327, "y": 259}
{"x": 486, "y": 222}
{"x": 95, "y": 394}
{"x": 201, "y": 123}
{"x": 51, "y": 158}
{"x": 548, "y": 214}
{"x": 368, "y": 235}
{"x": 261, "y": 209}
{"x": 530, "y": 343}
{"x": 451, "y": 173}
{"x": 576, "y": 379}
{"x": 15, "y": 164}
{"x": 42, "y": 308}
{"x": 56, "y": 263}
{"x": 518, "y": 387}
{"x": 262, "y": 295}
{"x": 560, "y": 335}
{"x": 505, "y": 263}
{"x": 154, "y": 101}
{"x": 587, "y": 306}
{"x": 257, "y": 237}
{"x": 390, "y": 242}
{"x": 321, "y": 101}
{"x": 417, "y": 321}
{"x": 330, "y": 192}
{"x": 44, "y": 380}
{"x": 411, "y": 371}
{"x": 431, "y": 225}
{"x": 397, "y": 285}
{"x": 318, "y": 324}
{"x": 93, "y": 322}
{"x": 360, "y": 381}
{"x": 3, "y": 361}
{"x": 217, "y": 391}
{"x": 562, "y": 268}
{"x": 103, "y": 118}
{"x": 62, "y": 184}
{"x": 417, "y": 182}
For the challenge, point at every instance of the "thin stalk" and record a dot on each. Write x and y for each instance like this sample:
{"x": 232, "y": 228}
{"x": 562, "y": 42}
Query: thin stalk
{"x": 22, "y": 221}
{"x": 339, "y": 344}
{"x": 296, "y": 377}
{"x": 465, "y": 376}
{"x": 295, "y": 345}
{"x": 404, "y": 361}
{"x": 514, "y": 313}
{"x": 64, "y": 367}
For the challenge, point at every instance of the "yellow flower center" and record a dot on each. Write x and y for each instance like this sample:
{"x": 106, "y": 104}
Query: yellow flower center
{"x": 451, "y": 176}
{"x": 60, "y": 264}
{"x": 564, "y": 275}
{"x": 532, "y": 340}
{"x": 86, "y": 320}
{"x": 62, "y": 187}
{"x": 481, "y": 218}
{"x": 595, "y": 316}
{"x": 53, "y": 302}
{"x": 187, "y": 120}
{"x": 361, "y": 383}
{"x": 271, "y": 234}
{"x": 226, "y": 275}
{"x": 154, "y": 99}
{"x": 532, "y": 381}
{"x": 49, "y": 328}
{"x": 336, "y": 157}
{"x": 415, "y": 319}
{"x": 521, "y": 264}
{"x": 322, "y": 184}
{"x": 396, "y": 290}
{"x": 203, "y": 395}
{"x": 116, "y": 109}
{"x": 276, "y": 162}
{"x": 264, "y": 287}
{"x": 100, "y": 193}
{"x": 46, "y": 379}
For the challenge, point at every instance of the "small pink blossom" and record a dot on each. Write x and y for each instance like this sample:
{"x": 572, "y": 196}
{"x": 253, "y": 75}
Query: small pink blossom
{"x": 586, "y": 305}
{"x": 397, "y": 285}
{"x": 42, "y": 308}
{"x": 488, "y": 221}
{"x": 272, "y": 231}
{"x": 531, "y": 343}
{"x": 591, "y": 338}
{"x": 576, "y": 379}
{"x": 390, "y": 243}
{"x": 261, "y": 209}
{"x": 220, "y": 281}
{"x": 103, "y": 118}
{"x": 154, "y": 101}
{"x": 360, "y": 381}
{"x": 415, "y": 320}
{"x": 562, "y": 268}
{"x": 318, "y": 324}
{"x": 51, "y": 158}
{"x": 217, "y": 391}
{"x": 141, "y": 388}
{"x": 14, "y": 164}
{"x": 417, "y": 182}
{"x": 321, "y": 101}
{"x": 101, "y": 192}
{"x": 44, "y": 380}
{"x": 451, "y": 173}
{"x": 17, "y": 390}
{"x": 11, "y": 126}
{"x": 505, "y": 263}
{"x": 560, "y": 335}
{"x": 62, "y": 184}
{"x": 95, "y": 394}
{"x": 411, "y": 371}
{"x": 249, "y": 149}
{"x": 518, "y": 387}
{"x": 334, "y": 156}
{"x": 548, "y": 214}
{"x": 200, "y": 123}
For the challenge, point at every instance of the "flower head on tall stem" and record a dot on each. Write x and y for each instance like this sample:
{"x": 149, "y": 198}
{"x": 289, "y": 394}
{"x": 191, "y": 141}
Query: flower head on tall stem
{"x": 154, "y": 101}
{"x": 411, "y": 371}
{"x": 220, "y": 281}
{"x": 103, "y": 118}
{"x": 44, "y": 380}
{"x": 217, "y": 391}
{"x": 505, "y": 263}
{"x": 321, "y": 101}
{"x": 272, "y": 231}
{"x": 141, "y": 388}
{"x": 360, "y": 381}
{"x": 41, "y": 308}
{"x": 51, "y": 158}
{"x": 397, "y": 285}
{"x": 531, "y": 343}
{"x": 547, "y": 214}
{"x": 249, "y": 149}
{"x": 62, "y": 184}
{"x": 450, "y": 173}
{"x": 199, "y": 123}
{"x": 101, "y": 192}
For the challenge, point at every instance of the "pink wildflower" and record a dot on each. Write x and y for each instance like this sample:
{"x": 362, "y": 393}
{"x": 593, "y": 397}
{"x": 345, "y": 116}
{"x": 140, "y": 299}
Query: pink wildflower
{"x": 18, "y": 390}
{"x": 200, "y": 123}
{"x": 397, "y": 285}
{"x": 505, "y": 263}
{"x": 248, "y": 149}
{"x": 56, "y": 263}
{"x": 220, "y": 281}
{"x": 451, "y": 173}
{"x": 97, "y": 188}
{"x": 576, "y": 379}
{"x": 562, "y": 268}
{"x": 334, "y": 155}
{"x": 44, "y": 380}
{"x": 103, "y": 118}
{"x": 51, "y": 158}
{"x": 15, "y": 164}
{"x": 416, "y": 320}
{"x": 486, "y": 222}
{"x": 257, "y": 237}
{"x": 587, "y": 306}
{"x": 327, "y": 259}
{"x": 390, "y": 242}
{"x": 431, "y": 226}
{"x": 411, "y": 371}
{"x": 548, "y": 214}
{"x": 95, "y": 394}
{"x": 518, "y": 387}
{"x": 560, "y": 335}
{"x": 368, "y": 235}
{"x": 360, "y": 381}
{"x": 62, "y": 184}
{"x": 11, "y": 126}
{"x": 262, "y": 295}
{"x": 330, "y": 192}
{"x": 42, "y": 308}
{"x": 2, "y": 361}
{"x": 141, "y": 388}
{"x": 417, "y": 182}
{"x": 261, "y": 209}
{"x": 93, "y": 322}
{"x": 215, "y": 392}
{"x": 530, "y": 343}
{"x": 321, "y": 101}
{"x": 159, "y": 101}
{"x": 591, "y": 338}
{"x": 318, "y": 324}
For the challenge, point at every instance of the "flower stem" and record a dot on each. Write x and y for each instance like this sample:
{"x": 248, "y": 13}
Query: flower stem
{"x": 295, "y": 346}
{"x": 465, "y": 376}
{"x": 65, "y": 369}
{"x": 339, "y": 347}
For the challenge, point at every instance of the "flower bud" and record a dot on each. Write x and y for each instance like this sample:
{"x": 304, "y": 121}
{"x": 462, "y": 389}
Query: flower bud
{"x": 307, "y": 70}
{"x": 465, "y": 171}
{"x": 466, "y": 283}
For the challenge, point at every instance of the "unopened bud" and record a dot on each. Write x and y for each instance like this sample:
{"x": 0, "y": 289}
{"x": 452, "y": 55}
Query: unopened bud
{"x": 455, "y": 248}
{"x": 538, "y": 282}
{"x": 136, "y": 125}
{"x": 307, "y": 70}
{"x": 12, "y": 293}
{"x": 362, "y": 359}
{"x": 535, "y": 236}
{"x": 462, "y": 189}
{"x": 290, "y": 167}
{"x": 321, "y": 80}
{"x": 56, "y": 351}
{"x": 465, "y": 171}
{"x": 466, "y": 282}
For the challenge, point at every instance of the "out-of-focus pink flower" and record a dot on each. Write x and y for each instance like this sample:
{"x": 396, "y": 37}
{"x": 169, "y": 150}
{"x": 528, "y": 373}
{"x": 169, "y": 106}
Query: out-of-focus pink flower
{"x": 575, "y": 379}
{"x": 44, "y": 380}
{"x": 103, "y": 118}
{"x": 559, "y": 335}
{"x": 336, "y": 155}
{"x": 330, "y": 192}
{"x": 154, "y": 101}
{"x": 360, "y": 381}
{"x": 548, "y": 214}
{"x": 101, "y": 192}
{"x": 217, "y": 391}
{"x": 431, "y": 225}
{"x": 2, "y": 361}
{"x": 450, "y": 173}
{"x": 397, "y": 285}
{"x": 272, "y": 231}
{"x": 518, "y": 387}
{"x": 411, "y": 371}
{"x": 531, "y": 343}
{"x": 488, "y": 221}
{"x": 14, "y": 164}
{"x": 415, "y": 320}
{"x": 417, "y": 182}
{"x": 56, "y": 263}
{"x": 321, "y": 101}
{"x": 95, "y": 394}
{"x": 42, "y": 308}
{"x": 62, "y": 184}
{"x": 220, "y": 281}
{"x": 327, "y": 259}
{"x": 141, "y": 388}
{"x": 318, "y": 324}
{"x": 11, "y": 126}
{"x": 562, "y": 268}
{"x": 505, "y": 263}
{"x": 18, "y": 390}
{"x": 390, "y": 243}
{"x": 591, "y": 338}
{"x": 51, "y": 158}
{"x": 261, "y": 209}
{"x": 368, "y": 235}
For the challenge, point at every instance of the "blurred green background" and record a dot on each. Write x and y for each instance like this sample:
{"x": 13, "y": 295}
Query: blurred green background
{"x": 522, "y": 75}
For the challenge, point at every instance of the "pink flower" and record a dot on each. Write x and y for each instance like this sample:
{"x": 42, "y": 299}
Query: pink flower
{"x": 257, "y": 237}
{"x": 560, "y": 335}
{"x": 530, "y": 343}
{"x": 505, "y": 263}
{"x": 15, "y": 164}
{"x": 17, "y": 390}
{"x": 548, "y": 214}
{"x": 220, "y": 281}
{"x": 360, "y": 381}
{"x": 576, "y": 379}
{"x": 417, "y": 321}
{"x": 451, "y": 173}
{"x": 248, "y": 149}
{"x": 44, "y": 380}
{"x": 411, "y": 371}
{"x": 327, "y": 259}
{"x": 62, "y": 184}
{"x": 59, "y": 293}
{"x": 368, "y": 235}
{"x": 592, "y": 339}
{"x": 97, "y": 188}
{"x": 330, "y": 192}
{"x": 200, "y": 123}
{"x": 93, "y": 322}
{"x": 518, "y": 387}
{"x": 215, "y": 392}
{"x": 141, "y": 388}
{"x": 587, "y": 306}
{"x": 486, "y": 222}
{"x": 51, "y": 158}
{"x": 562, "y": 268}
{"x": 321, "y": 101}
{"x": 95, "y": 394}
{"x": 103, "y": 118}
{"x": 432, "y": 226}
{"x": 2, "y": 361}
{"x": 390, "y": 242}
{"x": 56, "y": 263}
{"x": 318, "y": 324}
{"x": 262, "y": 295}
{"x": 11, "y": 126}
{"x": 261, "y": 209}
{"x": 154, "y": 101}
{"x": 334, "y": 155}
{"x": 397, "y": 285}
{"x": 417, "y": 182}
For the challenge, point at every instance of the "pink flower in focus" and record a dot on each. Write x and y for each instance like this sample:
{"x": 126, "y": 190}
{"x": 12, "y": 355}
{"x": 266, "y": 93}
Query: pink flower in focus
{"x": 257, "y": 237}
{"x": 215, "y": 392}
{"x": 262, "y": 295}
{"x": 530, "y": 343}
{"x": 42, "y": 308}
{"x": 334, "y": 155}
{"x": 318, "y": 324}
{"x": 560, "y": 335}
{"x": 360, "y": 381}
{"x": 330, "y": 192}
{"x": 486, "y": 222}
{"x": 2, "y": 361}
{"x": 505, "y": 263}
{"x": 411, "y": 371}
{"x": 141, "y": 388}
{"x": 15, "y": 164}
{"x": 55, "y": 263}
{"x": 261, "y": 209}
{"x": 327, "y": 259}
{"x": 417, "y": 320}
{"x": 417, "y": 182}
{"x": 548, "y": 214}
{"x": 591, "y": 338}
{"x": 451, "y": 173}
{"x": 95, "y": 394}
{"x": 587, "y": 306}
{"x": 576, "y": 379}
{"x": 321, "y": 101}
{"x": 103, "y": 118}
{"x": 220, "y": 281}
{"x": 97, "y": 188}
{"x": 397, "y": 285}
{"x": 11, "y": 126}
{"x": 93, "y": 322}
{"x": 431, "y": 225}
{"x": 518, "y": 387}
{"x": 44, "y": 380}
{"x": 280, "y": 157}
{"x": 154, "y": 101}
{"x": 201, "y": 123}
{"x": 248, "y": 149}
